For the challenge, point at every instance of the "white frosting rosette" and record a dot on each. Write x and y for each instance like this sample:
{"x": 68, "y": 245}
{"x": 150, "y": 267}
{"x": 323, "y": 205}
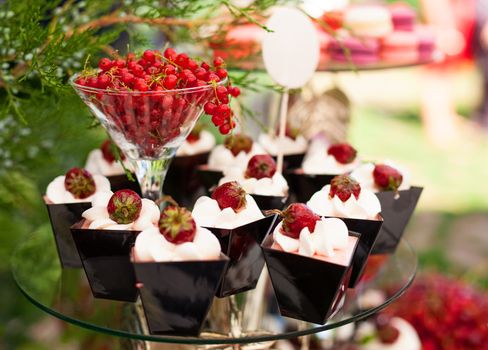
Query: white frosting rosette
{"x": 56, "y": 193}
{"x": 367, "y": 206}
{"x": 207, "y": 213}
{"x": 99, "y": 218}
{"x": 151, "y": 246}
{"x": 364, "y": 175}
{"x": 267, "y": 186}
{"x": 318, "y": 162}
{"x": 222, "y": 158}
{"x": 408, "y": 338}
{"x": 272, "y": 144}
{"x": 204, "y": 144}
{"x": 330, "y": 234}
{"x": 97, "y": 164}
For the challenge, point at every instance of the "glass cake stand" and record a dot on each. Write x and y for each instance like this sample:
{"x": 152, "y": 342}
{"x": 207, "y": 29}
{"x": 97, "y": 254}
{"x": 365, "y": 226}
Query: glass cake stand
{"x": 65, "y": 294}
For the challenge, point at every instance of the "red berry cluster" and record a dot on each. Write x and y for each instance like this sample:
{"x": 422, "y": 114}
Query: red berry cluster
{"x": 143, "y": 101}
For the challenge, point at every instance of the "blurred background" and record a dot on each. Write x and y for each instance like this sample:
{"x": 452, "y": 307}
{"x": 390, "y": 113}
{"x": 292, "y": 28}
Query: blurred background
{"x": 430, "y": 118}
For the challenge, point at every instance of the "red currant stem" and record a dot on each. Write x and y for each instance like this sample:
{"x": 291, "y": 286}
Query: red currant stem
{"x": 172, "y": 63}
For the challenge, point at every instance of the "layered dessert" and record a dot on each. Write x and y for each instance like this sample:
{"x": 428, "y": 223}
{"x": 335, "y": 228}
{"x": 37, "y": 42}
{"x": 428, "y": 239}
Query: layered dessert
{"x": 335, "y": 159}
{"x": 122, "y": 210}
{"x": 176, "y": 238}
{"x": 104, "y": 161}
{"x": 77, "y": 185}
{"x": 345, "y": 197}
{"x": 385, "y": 176}
{"x": 400, "y": 47}
{"x": 228, "y": 207}
{"x": 260, "y": 177}
{"x": 235, "y": 152}
{"x": 368, "y": 21}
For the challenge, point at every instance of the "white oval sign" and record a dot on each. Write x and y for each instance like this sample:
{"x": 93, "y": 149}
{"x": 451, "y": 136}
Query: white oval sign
{"x": 291, "y": 52}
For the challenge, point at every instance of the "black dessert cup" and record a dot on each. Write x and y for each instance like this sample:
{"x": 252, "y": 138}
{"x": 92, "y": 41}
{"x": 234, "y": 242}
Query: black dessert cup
{"x": 176, "y": 296}
{"x": 62, "y": 216}
{"x": 122, "y": 182}
{"x": 307, "y": 289}
{"x": 106, "y": 258}
{"x": 209, "y": 177}
{"x": 303, "y": 186}
{"x": 291, "y": 161}
{"x": 396, "y": 210}
{"x": 182, "y": 182}
{"x": 369, "y": 231}
{"x": 242, "y": 246}
{"x": 270, "y": 202}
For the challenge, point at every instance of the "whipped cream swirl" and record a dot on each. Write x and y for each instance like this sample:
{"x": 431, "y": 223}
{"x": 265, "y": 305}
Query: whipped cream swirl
{"x": 207, "y": 213}
{"x": 97, "y": 164}
{"x": 204, "y": 144}
{"x": 99, "y": 218}
{"x": 367, "y": 206}
{"x": 408, "y": 338}
{"x": 151, "y": 246}
{"x": 330, "y": 234}
{"x": 56, "y": 193}
{"x": 318, "y": 162}
{"x": 266, "y": 186}
{"x": 222, "y": 158}
{"x": 364, "y": 175}
{"x": 273, "y": 144}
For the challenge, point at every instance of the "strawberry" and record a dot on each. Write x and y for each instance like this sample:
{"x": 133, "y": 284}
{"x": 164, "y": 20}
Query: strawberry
{"x": 177, "y": 225}
{"x": 344, "y": 186}
{"x": 296, "y": 217}
{"x": 230, "y": 195}
{"x": 124, "y": 206}
{"x": 194, "y": 135}
{"x": 343, "y": 153}
{"x": 387, "y": 333}
{"x": 387, "y": 178}
{"x": 237, "y": 143}
{"x": 80, "y": 183}
{"x": 260, "y": 166}
{"x": 107, "y": 149}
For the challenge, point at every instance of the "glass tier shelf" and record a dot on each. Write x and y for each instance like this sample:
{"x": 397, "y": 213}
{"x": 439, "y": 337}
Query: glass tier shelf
{"x": 65, "y": 294}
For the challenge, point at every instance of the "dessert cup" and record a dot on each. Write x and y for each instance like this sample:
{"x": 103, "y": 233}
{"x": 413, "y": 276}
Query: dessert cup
{"x": 122, "y": 182}
{"x": 303, "y": 186}
{"x": 369, "y": 231}
{"x": 291, "y": 161}
{"x": 307, "y": 289}
{"x": 209, "y": 177}
{"x": 176, "y": 296}
{"x": 396, "y": 210}
{"x": 105, "y": 255}
{"x": 62, "y": 216}
{"x": 270, "y": 202}
{"x": 242, "y": 246}
{"x": 182, "y": 182}
{"x": 148, "y": 140}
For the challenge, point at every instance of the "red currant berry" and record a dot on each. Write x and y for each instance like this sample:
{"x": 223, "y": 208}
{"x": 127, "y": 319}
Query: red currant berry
{"x": 192, "y": 65}
{"x": 213, "y": 77}
{"x": 222, "y": 73}
{"x": 104, "y": 64}
{"x": 149, "y": 56}
{"x": 224, "y": 129}
{"x": 170, "y": 81}
{"x": 169, "y": 69}
{"x": 167, "y": 101}
{"x": 223, "y": 110}
{"x": 143, "y": 62}
{"x": 81, "y": 81}
{"x": 170, "y": 54}
{"x": 103, "y": 81}
{"x": 234, "y": 91}
{"x": 224, "y": 99}
{"x": 140, "y": 85}
{"x": 210, "y": 108}
{"x": 182, "y": 60}
{"x": 201, "y": 73}
{"x": 92, "y": 82}
{"x": 119, "y": 63}
{"x": 221, "y": 91}
{"x": 205, "y": 66}
{"x": 217, "y": 120}
{"x": 151, "y": 70}
{"x": 138, "y": 71}
{"x": 218, "y": 61}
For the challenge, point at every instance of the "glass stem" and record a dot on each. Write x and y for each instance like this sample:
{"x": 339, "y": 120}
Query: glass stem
{"x": 151, "y": 173}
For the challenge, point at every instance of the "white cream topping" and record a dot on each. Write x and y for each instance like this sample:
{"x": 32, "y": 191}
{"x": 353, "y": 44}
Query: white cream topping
{"x": 56, "y": 193}
{"x": 204, "y": 144}
{"x": 364, "y": 175}
{"x": 267, "y": 186}
{"x": 207, "y": 213}
{"x": 151, "y": 246}
{"x": 272, "y": 144}
{"x": 367, "y": 206}
{"x": 221, "y": 158}
{"x": 329, "y": 234}
{"x": 99, "y": 218}
{"x": 318, "y": 162}
{"x": 408, "y": 338}
{"x": 96, "y": 164}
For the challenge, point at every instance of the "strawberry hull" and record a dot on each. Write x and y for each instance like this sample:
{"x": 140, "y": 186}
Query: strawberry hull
{"x": 242, "y": 246}
{"x": 176, "y": 296}
{"x": 105, "y": 255}
{"x": 209, "y": 178}
{"x": 396, "y": 213}
{"x": 62, "y": 216}
{"x": 121, "y": 182}
{"x": 306, "y": 289}
{"x": 303, "y": 186}
{"x": 270, "y": 202}
{"x": 182, "y": 182}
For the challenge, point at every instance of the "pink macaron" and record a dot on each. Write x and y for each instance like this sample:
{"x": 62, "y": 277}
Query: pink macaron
{"x": 359, "y": 51}
{"x": 426, "y": 39}
{"x": 403, "y": 17}
{"x": 400, "y": 47}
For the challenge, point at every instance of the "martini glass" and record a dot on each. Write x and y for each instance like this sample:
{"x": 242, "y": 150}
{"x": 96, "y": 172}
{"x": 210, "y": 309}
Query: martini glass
{"x": 147, "y": 126}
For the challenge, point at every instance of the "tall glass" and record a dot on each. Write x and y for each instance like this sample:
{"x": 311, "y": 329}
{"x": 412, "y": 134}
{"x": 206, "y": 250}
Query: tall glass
{"x": 147, "y": 126}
